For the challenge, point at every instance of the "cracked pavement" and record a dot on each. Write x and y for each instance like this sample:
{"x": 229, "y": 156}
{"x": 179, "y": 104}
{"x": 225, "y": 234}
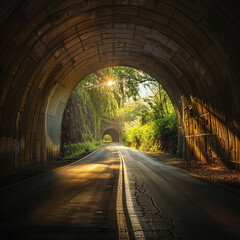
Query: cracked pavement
{"x": 170, "y": 203}
{"x": 159, "y": 202}
{"x": 154, "y": 225}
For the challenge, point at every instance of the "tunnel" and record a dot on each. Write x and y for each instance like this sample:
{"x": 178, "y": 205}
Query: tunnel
{"x": 113, "y": 133}
{"x": 47, "y": 47}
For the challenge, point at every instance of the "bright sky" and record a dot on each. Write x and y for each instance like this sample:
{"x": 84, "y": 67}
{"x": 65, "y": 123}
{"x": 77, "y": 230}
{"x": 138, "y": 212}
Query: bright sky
{"x": 143, "y": 91}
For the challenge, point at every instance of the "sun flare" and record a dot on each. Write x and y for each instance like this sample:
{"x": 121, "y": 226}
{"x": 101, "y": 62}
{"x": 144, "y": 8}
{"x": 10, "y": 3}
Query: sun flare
{"x": 110, "y": 83}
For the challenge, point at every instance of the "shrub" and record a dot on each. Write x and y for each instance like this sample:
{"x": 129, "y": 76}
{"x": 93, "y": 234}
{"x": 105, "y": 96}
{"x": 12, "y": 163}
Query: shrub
{"x": 73, "y": 149}
{"x": 158, "y": 134}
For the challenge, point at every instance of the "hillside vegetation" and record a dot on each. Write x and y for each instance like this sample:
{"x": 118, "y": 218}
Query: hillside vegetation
{"x": 148, "y": 122}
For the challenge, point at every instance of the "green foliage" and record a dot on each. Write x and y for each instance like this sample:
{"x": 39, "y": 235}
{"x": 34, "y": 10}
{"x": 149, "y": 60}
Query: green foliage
{"x": 107, "y": 138}
{"x": 148, "y": 124}
{"x": 108, "y": 99}
{"x": 155, "y": 135}
{"x": 81, "y": 123}
{"x": 93, "y": 100}
{"x": 166, "y": 132}
{"x": 155, "y": 126}
{"x": 141, "y": 137}
{"x": 136, "y": 110}
{"x": 74, "y": 149}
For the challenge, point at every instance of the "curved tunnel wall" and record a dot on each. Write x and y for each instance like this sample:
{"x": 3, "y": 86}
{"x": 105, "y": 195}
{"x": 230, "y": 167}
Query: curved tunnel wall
{"x": 113, "y": 133}
{"x": 47, "y": 47}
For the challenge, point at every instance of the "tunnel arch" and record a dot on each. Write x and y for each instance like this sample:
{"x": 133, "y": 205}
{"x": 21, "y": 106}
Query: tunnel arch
{"x": 48, "y": 47}
{"x": 113, "y": 133}
{"x": 107, "y": 138}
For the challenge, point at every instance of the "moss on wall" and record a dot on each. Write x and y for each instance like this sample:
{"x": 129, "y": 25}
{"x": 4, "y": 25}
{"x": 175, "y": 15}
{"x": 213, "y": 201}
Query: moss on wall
{"x": 81, "y": 125}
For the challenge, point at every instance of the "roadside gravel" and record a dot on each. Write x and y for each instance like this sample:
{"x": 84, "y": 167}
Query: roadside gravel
{"x": 212, "y": 172}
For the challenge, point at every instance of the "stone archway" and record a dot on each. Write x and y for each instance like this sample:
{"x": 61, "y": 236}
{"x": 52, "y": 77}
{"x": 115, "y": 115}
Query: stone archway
{"x": 111, "y": 126}
{"x": 47, "y": 47}
{"x": 113, "y": 133}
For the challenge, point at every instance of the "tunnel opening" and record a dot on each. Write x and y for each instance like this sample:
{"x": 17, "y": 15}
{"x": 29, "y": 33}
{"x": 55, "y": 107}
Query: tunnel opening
{"x": 114, "y": 101}
{"x": 107, "y": 138}
{"x": 123, "y": 102}
{"x": 111, "y": 135}
{"x": 191, "y": 48}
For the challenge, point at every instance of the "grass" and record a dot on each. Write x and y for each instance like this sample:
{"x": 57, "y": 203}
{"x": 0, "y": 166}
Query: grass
{"x": 75, "y": 149}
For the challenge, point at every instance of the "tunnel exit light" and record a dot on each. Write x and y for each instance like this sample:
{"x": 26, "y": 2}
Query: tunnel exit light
{"x": 110, "y": 83}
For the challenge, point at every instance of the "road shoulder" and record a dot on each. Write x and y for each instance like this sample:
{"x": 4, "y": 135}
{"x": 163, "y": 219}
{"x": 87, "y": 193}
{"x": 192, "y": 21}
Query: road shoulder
{"x": 211, "y": 172}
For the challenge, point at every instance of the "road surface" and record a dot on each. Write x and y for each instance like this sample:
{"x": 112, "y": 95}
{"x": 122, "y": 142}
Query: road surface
{"x": 119, "y": 193}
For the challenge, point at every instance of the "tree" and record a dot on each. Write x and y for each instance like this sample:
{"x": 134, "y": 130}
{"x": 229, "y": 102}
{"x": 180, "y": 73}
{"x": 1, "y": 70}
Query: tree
{"x": 110, "y": 88}
{"x": 148, "y": 123}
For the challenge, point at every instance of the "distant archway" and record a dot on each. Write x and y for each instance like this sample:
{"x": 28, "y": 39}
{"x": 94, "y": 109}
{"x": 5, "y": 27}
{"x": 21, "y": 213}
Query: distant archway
{"x": 113, "y": 133}
{"x": 107, "y": 138}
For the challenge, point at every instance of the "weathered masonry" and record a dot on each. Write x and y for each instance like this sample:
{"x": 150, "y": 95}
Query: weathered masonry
{"x": 48, "y": 46}
{"x": 111, "y": 126}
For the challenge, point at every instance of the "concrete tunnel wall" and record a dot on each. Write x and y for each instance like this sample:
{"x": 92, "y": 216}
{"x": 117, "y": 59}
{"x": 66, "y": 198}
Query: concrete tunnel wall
{"x": 47, "y": 47}
{"x": 112, "y": 127}
{"x": 113, "y": 133}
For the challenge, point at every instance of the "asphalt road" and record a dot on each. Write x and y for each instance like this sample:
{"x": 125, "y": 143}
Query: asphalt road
{"x": 119, "y": 193}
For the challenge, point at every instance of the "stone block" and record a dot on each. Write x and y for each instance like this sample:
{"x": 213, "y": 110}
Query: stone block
{"x": 164, "y": 9}
{"x": 155, "y": 17}
{"x": 192, "y": 27}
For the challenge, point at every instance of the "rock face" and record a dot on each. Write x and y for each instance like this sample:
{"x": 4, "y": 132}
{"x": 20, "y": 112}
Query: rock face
{"x": 80, "y": 122}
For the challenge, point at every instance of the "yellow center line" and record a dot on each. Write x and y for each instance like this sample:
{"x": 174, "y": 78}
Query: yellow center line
{"x": 121, "y": 220}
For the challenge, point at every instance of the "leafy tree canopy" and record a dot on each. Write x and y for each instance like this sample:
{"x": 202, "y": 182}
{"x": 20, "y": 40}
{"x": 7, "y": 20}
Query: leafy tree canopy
{"x": 111, "y": 88}
{"x": 148, "y": 122}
